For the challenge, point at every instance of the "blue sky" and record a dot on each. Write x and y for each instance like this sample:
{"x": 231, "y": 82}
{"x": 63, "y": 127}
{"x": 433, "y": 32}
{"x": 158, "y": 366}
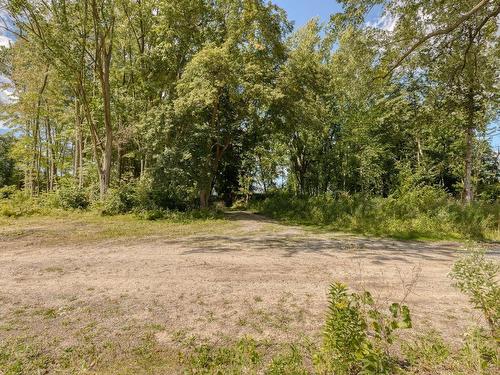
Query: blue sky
{"x": 301, "y": 11}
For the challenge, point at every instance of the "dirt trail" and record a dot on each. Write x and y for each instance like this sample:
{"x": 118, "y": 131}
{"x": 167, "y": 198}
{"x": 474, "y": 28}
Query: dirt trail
{"x": 258, "y": 278}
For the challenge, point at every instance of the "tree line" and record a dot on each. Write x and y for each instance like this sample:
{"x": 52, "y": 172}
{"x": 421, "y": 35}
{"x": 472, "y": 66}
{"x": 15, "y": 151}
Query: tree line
{"x": 204, "y": 96}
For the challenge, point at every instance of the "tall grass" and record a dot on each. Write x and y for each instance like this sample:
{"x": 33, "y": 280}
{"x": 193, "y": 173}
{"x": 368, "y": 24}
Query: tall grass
{"x": 423, "y": 213}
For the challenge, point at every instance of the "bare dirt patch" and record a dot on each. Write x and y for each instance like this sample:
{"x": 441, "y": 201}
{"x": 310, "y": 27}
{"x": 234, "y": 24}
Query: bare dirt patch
{"x": 246, "y": 277}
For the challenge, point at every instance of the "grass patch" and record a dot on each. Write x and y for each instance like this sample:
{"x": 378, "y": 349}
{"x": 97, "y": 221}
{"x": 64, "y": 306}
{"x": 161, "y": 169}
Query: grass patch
{"x": 59, "y": 226}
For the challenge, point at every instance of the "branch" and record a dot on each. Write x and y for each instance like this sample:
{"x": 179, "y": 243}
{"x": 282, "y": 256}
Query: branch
{"x": 442, "y": 31}
{"x": 494, "y": 13}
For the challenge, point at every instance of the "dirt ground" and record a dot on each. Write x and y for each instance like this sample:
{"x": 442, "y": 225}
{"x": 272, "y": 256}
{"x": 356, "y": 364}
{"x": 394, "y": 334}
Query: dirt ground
{"x": 247, "y": 276}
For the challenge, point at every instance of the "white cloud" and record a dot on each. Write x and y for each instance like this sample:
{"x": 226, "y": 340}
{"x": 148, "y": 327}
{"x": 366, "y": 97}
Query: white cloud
{"x": 385, "y": 22}
{"x": 6, "y": 37}
{"x": 7, "y": 95}
{"x": 5, "y": 41}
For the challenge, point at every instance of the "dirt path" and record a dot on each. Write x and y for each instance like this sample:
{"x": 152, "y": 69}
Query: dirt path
{"x": 256, "y": 278}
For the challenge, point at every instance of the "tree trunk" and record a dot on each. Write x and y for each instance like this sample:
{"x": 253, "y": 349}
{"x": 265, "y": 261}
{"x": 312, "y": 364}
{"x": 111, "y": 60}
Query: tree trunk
{"x": 204, "y": 195}
{"x": 104, "y": 47}
{"x": 119, "y": 167}
{"x": 108, "y": 147}
{"x": 35, "y": 167}
{"x": 78, "y": 157}
{"x": 469, "y": 139}
{"x": 468, "y": 190}
{"x": 52, "y": 171}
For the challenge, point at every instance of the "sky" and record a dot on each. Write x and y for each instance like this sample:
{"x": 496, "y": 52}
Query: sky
{"x": 302, "y": 11}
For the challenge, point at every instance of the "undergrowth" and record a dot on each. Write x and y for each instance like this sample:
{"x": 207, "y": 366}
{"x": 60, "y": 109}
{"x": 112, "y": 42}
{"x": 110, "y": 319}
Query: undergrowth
{"x": 424, "y": 213}
{"x": 15, "y": 203}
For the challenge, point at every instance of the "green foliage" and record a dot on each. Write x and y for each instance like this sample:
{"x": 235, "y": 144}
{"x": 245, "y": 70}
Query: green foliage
{"x": 180, "y": 216}
{"x": 7, "y": 191}
{"x": 477, "y": 277}
{"x": 239, "y": 103}
{"x": 19, "y": 204}
{"x": 118, "y": 201}
{"x": 429, "y": 353}
{"x": 207, "y": 359}
{"x": 73, "y": 197}
{"x": 140, "y": 199}
{"x": 290, "y": 363}
{"x": 346, "y": 339}
{"x": 7, "y": 162}
{"x": 357, "y": 334}
{"x": 420, "y": 213}
{"x": 134, "y": 198}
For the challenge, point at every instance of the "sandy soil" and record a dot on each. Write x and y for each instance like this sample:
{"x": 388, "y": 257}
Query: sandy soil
{"x": 258, "y": 278}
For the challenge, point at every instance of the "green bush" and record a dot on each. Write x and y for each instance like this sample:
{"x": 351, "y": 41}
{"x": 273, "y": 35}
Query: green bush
{"x": 179, "y": 216}
{"x": 73, "y": 197}
{"x": 140, "y": 199}
{"x": 19, "y": 204}
{"x": 117, "y": 201}
{"x": 7, "y": 191}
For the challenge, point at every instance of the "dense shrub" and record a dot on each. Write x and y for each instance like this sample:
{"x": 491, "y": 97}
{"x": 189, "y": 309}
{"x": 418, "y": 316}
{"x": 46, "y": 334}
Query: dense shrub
{"x": 19, "y": 204}
{"x": 7, "y": 191}
{"x": 138, "y": 198}
{"x": 72, "y": 197}
{"x": 425, "y": 212}
{"x": 118, "y": 201}
{"x": 180, "y": 216}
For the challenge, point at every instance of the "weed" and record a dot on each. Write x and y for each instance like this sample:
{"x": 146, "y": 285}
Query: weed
{"x": 290, "y": 363}
{"x": 357, "y": 334}
{"x": 477, "y": 278}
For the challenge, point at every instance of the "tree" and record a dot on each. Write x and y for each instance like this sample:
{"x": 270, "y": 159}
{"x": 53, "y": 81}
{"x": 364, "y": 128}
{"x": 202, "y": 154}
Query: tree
{"x": 7, "y": 163}
{"x": 195, "y": 97}
{"x": 306, "y": 104}
{"x": 226, "y": 89}
{"x": 76, "y": 39}
{"x": 460, "y": 61}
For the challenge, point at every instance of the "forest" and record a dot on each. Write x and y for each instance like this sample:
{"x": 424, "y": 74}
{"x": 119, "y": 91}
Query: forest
{"x": 204, "y": 178}
{"x": 198, "y": 101}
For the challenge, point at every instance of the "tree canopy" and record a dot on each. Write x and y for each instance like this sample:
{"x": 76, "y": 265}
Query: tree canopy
{"x": 203, "y": 97}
